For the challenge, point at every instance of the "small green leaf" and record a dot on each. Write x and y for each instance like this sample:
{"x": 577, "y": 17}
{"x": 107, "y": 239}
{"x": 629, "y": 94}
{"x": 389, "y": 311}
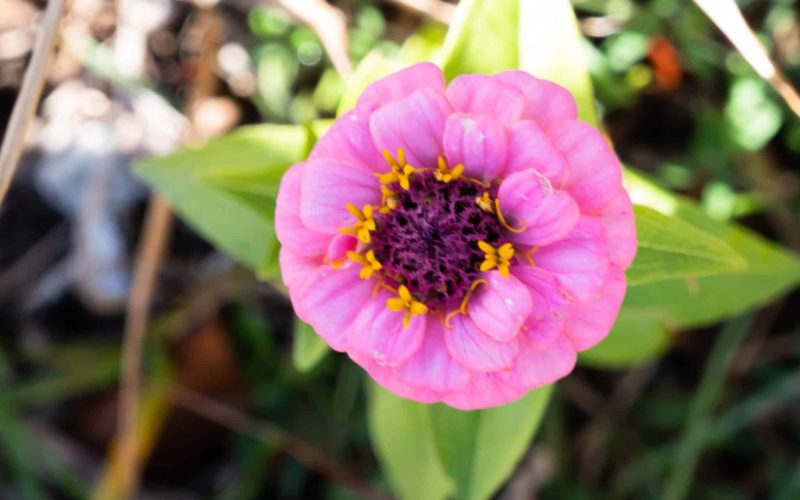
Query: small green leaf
{"x": 308, "y": 348}
{"x": 636, "y": 338}
{"x": 480, "y": 449}
{"x": 482, "y": 38}
{"x": 670, "y": 248}
{"x": 404, "y": 443}
{"x": 226, "y": 189}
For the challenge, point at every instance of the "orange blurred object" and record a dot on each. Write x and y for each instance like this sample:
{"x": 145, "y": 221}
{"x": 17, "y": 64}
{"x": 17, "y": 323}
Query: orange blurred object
{"x": 666, "y": 63}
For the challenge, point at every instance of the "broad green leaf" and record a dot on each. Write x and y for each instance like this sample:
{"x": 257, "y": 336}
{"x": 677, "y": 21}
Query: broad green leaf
{"x": 637, "y": 338}
{"x": 689, "y": 302}
{"x": 404, "y": 443}
{"x": 551, "y": 47}
{"x": 308, "y": 348}
{"x": 480, "y": 449}
{"x": 670, "y": 248}
{"x": 482, "y": 38}
{"x": 226, "y": 189}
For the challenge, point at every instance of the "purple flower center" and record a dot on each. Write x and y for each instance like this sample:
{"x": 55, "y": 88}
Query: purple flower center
{"x": 429, "y": 241}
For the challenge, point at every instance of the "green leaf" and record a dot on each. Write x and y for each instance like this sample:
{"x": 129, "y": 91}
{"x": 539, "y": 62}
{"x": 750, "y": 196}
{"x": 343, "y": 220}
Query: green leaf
{"x": 551, "y": 47}
{"x": 689, "y": 302}
{"x": 226, "y": 189}
{"x": 482, "y": 38}
{"x": 480, "y": 449}
{"x": 637, "y": 338}
{"x": 404, "y": 443}
{"x": 308, "y": 348}
{"x": 670, "y": 248}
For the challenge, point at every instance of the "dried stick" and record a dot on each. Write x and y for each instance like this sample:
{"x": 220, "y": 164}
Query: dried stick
{"x": 28, "y": 97}
{"x": 148, "y": 261}
{"x": 729, "y": 19}
{"x": 300, "y": 450}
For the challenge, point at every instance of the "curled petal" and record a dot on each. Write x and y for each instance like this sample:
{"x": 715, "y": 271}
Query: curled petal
{"x": 502, "y": 308}
{"x": 398, "y": 85}
{"x": 349, "y": 140}
{"x": 415, "y": 124}
{"x": 483, "y": 391}
{"x": 330, "y": 299}
{"x": 485, "y": 95}
{"x": 620, "y": 227}
{"x": 432, "y": 366}
{"x": 548, "y": 301}
{"x": 595, "y": 173}
{"x": 478, "y": 142}
{"x": 589, "y": 322}
{"x": 296, "y": 268}
{"x": 291, "y": 231}
{"x": 579, "y": 261}
{"x": 476, "y": 350}
{"x": 545, "y": 102}
{"x": 528, "y": 199}
{"x": 379, "y": 333}
{"x": 541, "y": 366}
{"x": 530, "y": 147}
{"x": 328, "y": 187}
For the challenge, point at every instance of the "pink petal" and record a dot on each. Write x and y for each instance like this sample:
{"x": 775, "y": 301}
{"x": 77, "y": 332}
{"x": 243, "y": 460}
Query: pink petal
{"x": 617, "y": 219}
{"x": 402, "y": 84}
{"x": 291, "y": 231}
{"x": 545, "y": 101}
{"x": 483, "y": 94}
{"x": 579, "y": 261}
{"x": 595, "y": 174}
{"x": 485, "y": 390}
{"x": 530, "y": 147}
{"x": 338, "y": 248}
{"x": 432, "y": 366}
{"x": 296, "y": 268}
{"x": 589, "y": 322}
{"x": 329, "y": 301}
{"x": 548, "y": 302}
{"x": 349, "y": 140}
{"x": 414, "y": 123}
{"x": 477, "y": 141}
{"x": 502, "y": 308}
{"x": 475, "y": 349}
{"x": 528, "y": 200}
{"x": 328, "y": 187}
{"x": 537, "y": 367}
{"x": 387, "y": 378}
{"x": 378, "y": 332}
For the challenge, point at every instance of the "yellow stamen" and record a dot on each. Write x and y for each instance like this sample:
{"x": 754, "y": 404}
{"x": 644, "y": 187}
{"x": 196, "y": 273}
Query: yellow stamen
{"x": 400, "y": 170}
{"x": 485, "y": 202}
{"x": 463, "y": 307}
{"x": 497, "y": 257}
{"x": 445, "y": 174}
{"x": 407, "y": 303}
{"x": 369, "y": 264}
{"x": 529, "y": 255}
{"x": 365, "y": 222}
{"x": 503, "y": 219}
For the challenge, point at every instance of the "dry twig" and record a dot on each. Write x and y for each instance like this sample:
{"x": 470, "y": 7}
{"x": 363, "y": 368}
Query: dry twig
{"x": 729, "y": 19}
{"x": 28, "y": 97}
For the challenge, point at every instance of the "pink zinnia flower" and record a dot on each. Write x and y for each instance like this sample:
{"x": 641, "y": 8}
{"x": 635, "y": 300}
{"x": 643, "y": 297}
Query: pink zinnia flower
{"x": 462, "y": 242}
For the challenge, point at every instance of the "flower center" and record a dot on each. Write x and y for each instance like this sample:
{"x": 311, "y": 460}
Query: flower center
{"x": 429, "y": 240}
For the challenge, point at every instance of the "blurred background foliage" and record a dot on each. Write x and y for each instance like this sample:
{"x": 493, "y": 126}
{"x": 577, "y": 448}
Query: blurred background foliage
{"x": 677, "y": 101}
